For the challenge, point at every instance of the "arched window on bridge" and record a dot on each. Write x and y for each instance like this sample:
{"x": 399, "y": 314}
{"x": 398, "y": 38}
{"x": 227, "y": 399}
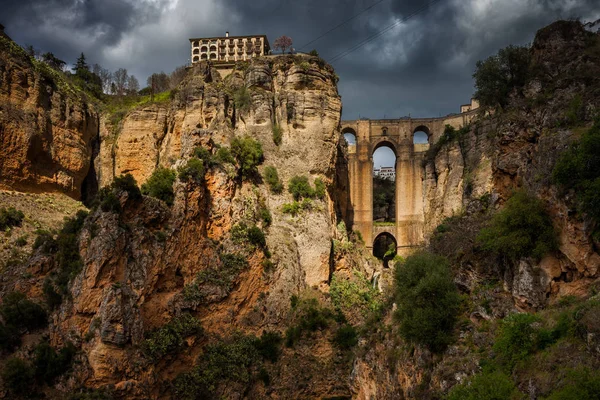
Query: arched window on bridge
{"x": 384, "y": 248}
{"x": 421, "y": 135}
{"x": 350, "y": 136}
{"x": 384, "y": 184}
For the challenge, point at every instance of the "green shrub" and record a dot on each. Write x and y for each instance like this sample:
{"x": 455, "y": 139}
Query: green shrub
{"x": 10, "y": 217}
{"x": 52, "y": 297}
{"x": 314, "y": 53}
{"x": 160, "y": 185}
{"x": 44, "y": 241}
{"x": 222, "y": 276}
{"x": 291, "y": 208}
{"x": 9, "y": 337}
{"x": 235, "y": 361}
{"x": 203, "y": 154}
{"x": 300, "y": 188}
{"x": 522, "y": 229}
{"x": 49, "y": 364}
{"x": 110, "y": 203}
{"x": 18, "y": 376}
{"x": 242, "y": 99}
{"x": 488, "y": 386}
{"x": 265, "y": 216}
{"x": 171, "y": 337}
{"x": 248, "y": 153}
{"x": 193, "y": 171}
{"x": 272, "y": 178}
{"x": 21, "y": 241}
{"x": 320, "y": 188}
{"x": 256, "y": 236}
{"x": 277, "y": 135}
{"x": 427, "y": 299}
{"x": 356, "y": 294}
{"x": 516, "y": 339}
{"x": 578, "y": 168}
{"x": 345, "y": 337}
{"x": 21, "y": 312}
{"x": 268, "y": 345}
{"x": 128, "y": 183}
{"x": 310, "y": 317}
{"x": 223, "y": 156}
{"x": 582, "y": 383}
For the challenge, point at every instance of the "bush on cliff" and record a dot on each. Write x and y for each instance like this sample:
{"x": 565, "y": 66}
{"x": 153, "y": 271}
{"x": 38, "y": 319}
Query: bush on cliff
{"x": 248, "y": 153}
{"x": 272, "y": 178}
{"x": 300, "y": 188}
{"x": 10, "y": 217}
{"x": 171, "y": 337}
{"x": 522, "y": 229}
{"x": 277, "y": 135}
{"x": 160, "y": 185}
{"x": 578, "y": 168}
{"x": 428, "y": 301}
{"x": 486, "y": 385}
{"x": 50, "y": 364}
{"x": 17, "y": 310}
{"x": 193, "y": 171}
{"x": 18, "y": 377}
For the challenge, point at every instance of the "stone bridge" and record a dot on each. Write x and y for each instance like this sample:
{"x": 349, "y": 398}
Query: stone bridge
{"x": 398, "y": 135}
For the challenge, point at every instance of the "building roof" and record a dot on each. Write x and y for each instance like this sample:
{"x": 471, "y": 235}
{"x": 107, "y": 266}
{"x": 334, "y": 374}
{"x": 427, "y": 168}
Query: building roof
{"x": 227, "y": 37}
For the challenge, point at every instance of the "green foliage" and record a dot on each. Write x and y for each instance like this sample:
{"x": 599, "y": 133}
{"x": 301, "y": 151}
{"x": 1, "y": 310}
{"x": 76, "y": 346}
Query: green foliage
{"x": 516, "y": 340}
{"x": 10, "y": 217}
{"x": 277, "y": 135}
{"x": 21, "y": 241}
{"x": 428, "y": 301}
{"x": 202, "y": 154}
{"x": 582, "y": 383}
{"x": 51, "y": 295}
{"x": 268, "y": 345}
{"x": 256, "y": 236}
{"x": 358, "y": 293}
{"x": 44, "y": 241}
{"x": 575, "y": 112}
{"x": 160, "y": 185}
{"x": 291, "y": 208}
{"x": 242, "y": 99}
{"x": 272, "y": 178}
{"x": 488, "y": 386}
{"x": 265, "y": 216}
{"x": 345, "y": 337}
{"x": 170, "y": 338}
{"x": 50, "y": 364}
{"x": 300, "y": 188}
{"x": 320, "y": 188}
{"x": 223, "y": 156}
{"x": 314, "y": 53}
{"x": 20, "y": 312}
{"x": 310, "y": 317}
{"x": 522, "y": 229}
{"x": 218, "y": 275}
{"x": 18, "y": 376}
{"x": 9, "y": 337}
{"x": 236, "y": 361}
{"x": 128, "y": 184}
{"x": 193, "y": 171}
{"x": 499, "y": 75}
{"x": 578, "y": 168}
{"x": 249, "y": 154}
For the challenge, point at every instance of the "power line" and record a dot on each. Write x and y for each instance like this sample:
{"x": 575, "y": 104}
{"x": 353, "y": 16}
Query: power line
{"x": 342, "y": 23}
{"x": 382, "y": 32}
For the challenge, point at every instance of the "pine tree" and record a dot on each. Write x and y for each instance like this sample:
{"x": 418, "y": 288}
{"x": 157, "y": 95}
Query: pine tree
{"x": 80, "y": 64}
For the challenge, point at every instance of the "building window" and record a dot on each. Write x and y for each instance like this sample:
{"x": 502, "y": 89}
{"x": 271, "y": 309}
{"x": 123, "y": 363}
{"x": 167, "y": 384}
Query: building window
{"x": 196, "y": 59}
{"x": 204, "y": 56}
{"x": 196, "y": 51}
{"x": 196, "y": 44}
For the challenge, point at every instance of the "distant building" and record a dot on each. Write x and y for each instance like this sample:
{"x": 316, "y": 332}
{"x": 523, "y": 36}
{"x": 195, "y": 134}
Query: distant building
{"x": 385, "y": 173}
{"x": 228, "y": 49}
{"x": 469, "y": 107}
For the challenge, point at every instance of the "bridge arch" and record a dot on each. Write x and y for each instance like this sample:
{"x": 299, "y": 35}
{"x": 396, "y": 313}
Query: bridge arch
{"x": 384, "y": 142}
{"x": 350, "y": 135}
{"x": 385, "y": 247}
{"x": 421, "y": 134}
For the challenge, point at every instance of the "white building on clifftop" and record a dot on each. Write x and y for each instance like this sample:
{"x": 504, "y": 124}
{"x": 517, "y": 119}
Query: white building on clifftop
{"x": 228, "y": 49}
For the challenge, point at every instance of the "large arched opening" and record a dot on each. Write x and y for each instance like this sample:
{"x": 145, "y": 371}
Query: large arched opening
{"x": 421, "y": 135}
{"x": 384, "y": 184}
{"x": 385, "y": 248}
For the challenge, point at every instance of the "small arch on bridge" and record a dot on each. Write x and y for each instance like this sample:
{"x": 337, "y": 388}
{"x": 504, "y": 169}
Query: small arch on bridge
{"x": 350, "y": 136}
{"x": 421, "y": 135}
{"x": 385, "y": 247}
{"x": 384, "y": 182}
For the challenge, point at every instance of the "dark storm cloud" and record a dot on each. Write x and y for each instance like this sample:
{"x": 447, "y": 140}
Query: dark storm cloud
{"x": 422, "y": 65}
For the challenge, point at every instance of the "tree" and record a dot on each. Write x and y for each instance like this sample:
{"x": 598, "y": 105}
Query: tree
{"x": 249, "y": 153}
{"x": 133, "y": 86}
{"x": 120, "y": 80}
{"x": 158, "y": 82}
{"x": 104, "y": 75}
{"x": 283, "y": 42}
{"x": 177, "y": 76}
{"x": 428, "y": 301}
{"x": 53, "y": 61}
{"x": 499, "y": 75}
{"x": 80, "y": 64}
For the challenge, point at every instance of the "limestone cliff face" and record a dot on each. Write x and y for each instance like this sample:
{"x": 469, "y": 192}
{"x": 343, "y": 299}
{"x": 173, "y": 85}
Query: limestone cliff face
{"x": 137, "y": 264}
{"x": 46, "y": 126}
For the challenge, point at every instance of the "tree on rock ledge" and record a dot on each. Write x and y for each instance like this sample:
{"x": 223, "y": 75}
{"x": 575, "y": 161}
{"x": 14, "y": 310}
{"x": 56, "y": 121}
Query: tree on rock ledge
{"x": 283, "y": 43}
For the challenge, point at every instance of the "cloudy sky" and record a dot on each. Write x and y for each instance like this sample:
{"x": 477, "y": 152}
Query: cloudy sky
{"x": 420, "y": 65}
